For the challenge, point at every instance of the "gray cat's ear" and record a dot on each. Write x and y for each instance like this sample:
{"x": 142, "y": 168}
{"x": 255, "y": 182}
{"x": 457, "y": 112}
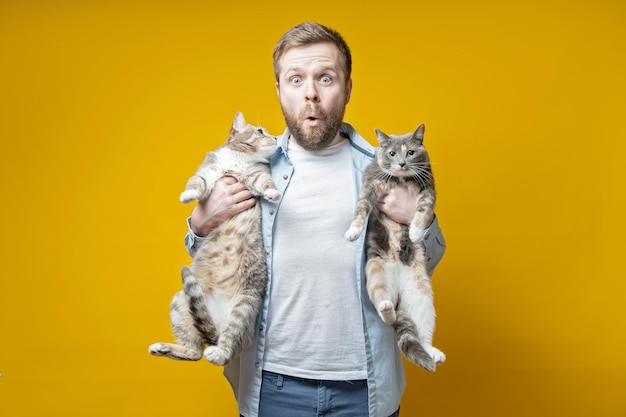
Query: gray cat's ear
{"x": 418, "y": 135}
{"x": 239, "y": 123}
{"x": 382, "y": 138}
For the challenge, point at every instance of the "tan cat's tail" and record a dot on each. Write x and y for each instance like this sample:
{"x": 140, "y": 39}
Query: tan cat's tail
{"x": 406, "y": 337}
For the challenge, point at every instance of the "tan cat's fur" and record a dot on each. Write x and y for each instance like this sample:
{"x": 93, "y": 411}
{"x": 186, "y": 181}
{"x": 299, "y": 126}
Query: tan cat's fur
{"x": 225, "y": 285}
{"x": 397, "y": 278}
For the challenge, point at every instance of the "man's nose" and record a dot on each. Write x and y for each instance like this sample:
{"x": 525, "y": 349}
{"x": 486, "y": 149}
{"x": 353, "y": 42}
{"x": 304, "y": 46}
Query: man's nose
{"x": 311, "y": 93}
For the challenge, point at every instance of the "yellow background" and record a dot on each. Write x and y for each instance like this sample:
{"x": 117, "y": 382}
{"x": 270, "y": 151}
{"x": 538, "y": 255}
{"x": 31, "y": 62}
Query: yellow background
{"x": 108, "y": 106}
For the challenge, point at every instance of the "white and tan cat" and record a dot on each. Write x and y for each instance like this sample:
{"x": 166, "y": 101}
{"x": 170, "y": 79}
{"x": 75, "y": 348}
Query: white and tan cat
{"x": 397, "y": 279}
{"x": 225, "y": 285}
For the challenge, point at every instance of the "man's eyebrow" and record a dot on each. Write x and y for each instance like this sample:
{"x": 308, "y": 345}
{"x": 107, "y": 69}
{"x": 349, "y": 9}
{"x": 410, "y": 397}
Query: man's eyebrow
{"x": 295, "y": 68}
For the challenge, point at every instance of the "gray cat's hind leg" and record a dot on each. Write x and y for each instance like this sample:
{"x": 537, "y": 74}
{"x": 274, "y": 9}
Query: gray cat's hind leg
{"x": 383, "y": 299}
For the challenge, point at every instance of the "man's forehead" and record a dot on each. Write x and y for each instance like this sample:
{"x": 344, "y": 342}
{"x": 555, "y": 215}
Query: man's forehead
{"x": 319, "y": 54}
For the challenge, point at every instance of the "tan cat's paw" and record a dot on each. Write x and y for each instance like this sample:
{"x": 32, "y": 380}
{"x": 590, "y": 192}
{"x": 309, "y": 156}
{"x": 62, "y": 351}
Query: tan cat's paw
{"x": 353, "y": 233}
{"x": 188, "y": 196}
{"x": 215, "y": 355}
{"x": 271, "y": 195}
{"x": 158, "y": 349}
{"x": 387, "y": 312}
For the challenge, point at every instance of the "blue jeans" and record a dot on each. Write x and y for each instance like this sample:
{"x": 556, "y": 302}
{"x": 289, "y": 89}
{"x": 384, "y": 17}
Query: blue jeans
{"x": 287, "y": 396}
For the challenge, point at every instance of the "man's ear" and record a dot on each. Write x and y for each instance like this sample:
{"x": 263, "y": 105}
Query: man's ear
{"x": 277, "y": 88}
{"x": 348, "y": 90}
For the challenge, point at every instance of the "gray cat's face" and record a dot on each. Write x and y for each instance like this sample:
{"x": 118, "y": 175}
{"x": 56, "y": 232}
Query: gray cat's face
{"x": 402, "y": 155}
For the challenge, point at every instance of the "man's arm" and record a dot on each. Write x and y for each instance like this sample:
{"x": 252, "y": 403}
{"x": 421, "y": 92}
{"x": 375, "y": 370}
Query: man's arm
{"x": 399, "y": 205}
{"x": 228, "y": 198}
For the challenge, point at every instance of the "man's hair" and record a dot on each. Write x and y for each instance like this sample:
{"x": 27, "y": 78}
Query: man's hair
{"x": 310, "y": 33}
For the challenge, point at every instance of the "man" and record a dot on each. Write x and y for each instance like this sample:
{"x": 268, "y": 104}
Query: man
{"x": 321, "y": 348}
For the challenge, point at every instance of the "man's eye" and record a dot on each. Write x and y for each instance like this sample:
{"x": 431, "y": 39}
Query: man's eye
{"x": 296, "y": 80}
{"x": 325, "y": 79}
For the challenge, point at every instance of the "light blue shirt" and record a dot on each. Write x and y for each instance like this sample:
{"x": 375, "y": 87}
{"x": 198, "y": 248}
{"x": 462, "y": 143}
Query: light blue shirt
{"x": 386, "y": 379}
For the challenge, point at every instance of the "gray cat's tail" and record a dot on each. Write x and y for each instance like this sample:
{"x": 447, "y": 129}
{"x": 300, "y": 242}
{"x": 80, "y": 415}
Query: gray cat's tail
{"x": 406, "y": 337}
{"x": 197, "y": 307}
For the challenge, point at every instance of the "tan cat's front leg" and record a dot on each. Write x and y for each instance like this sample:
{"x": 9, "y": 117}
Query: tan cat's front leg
{"x": 262, "y": 184}
{"x": 195, "y": 189}
{"x": 384, "y": 301}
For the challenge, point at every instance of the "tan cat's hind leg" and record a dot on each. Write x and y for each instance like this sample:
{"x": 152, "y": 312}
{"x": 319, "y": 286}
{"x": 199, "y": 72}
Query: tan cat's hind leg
{"x": 173, "y": 351}
{"x": 215, "y": 355}
{"x": 190, "y": 341}
{"x": 380, "y": 296}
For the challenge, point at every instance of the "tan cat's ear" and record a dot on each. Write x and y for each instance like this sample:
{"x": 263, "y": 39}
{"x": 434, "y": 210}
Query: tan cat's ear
{"x": 239, "y": 123}
{"x": 418, "y": 135}
{"x": 382, "y": 138}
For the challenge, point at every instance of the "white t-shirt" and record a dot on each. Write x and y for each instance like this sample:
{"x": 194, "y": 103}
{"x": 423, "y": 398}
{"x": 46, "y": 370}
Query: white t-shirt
{"x": 315, "y": 324}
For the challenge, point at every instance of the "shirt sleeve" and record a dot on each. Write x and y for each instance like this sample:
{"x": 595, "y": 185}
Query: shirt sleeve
{"x": 434, "y": 245}
{"x": 192, "y": 240}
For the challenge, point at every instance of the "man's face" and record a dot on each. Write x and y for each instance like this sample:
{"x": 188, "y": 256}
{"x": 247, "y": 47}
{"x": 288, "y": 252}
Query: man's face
{"x": 313, "y": 93}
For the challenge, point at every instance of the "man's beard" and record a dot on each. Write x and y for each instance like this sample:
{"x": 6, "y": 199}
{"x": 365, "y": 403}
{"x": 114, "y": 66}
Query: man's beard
{"x": 318, "y": 137}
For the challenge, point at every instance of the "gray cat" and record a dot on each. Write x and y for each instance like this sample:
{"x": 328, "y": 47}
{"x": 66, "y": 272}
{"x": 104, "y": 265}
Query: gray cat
{"x": 224, "y": 288}
{"x": 398, "y": 282}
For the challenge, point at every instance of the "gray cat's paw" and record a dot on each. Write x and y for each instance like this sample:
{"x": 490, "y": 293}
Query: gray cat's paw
{"x": 188, "y": 196}
{"x": 353, "y": 233}
{"x": 271, "y": 195}
{"x": 416, "y": 234}
{"x": 215, "y": 355}
{"x": 387, "y": 312}
{"x": 438, "y": 356}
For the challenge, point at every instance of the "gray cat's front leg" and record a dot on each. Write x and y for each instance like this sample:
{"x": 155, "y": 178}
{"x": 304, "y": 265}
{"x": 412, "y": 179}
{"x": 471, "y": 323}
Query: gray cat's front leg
{"x": 363, "y": 208}
{"x": 424, "y": 212}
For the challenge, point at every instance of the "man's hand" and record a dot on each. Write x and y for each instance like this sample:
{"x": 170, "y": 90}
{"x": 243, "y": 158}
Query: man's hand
{"x": 399, "y": 205}
{"x": 227, "y": 198}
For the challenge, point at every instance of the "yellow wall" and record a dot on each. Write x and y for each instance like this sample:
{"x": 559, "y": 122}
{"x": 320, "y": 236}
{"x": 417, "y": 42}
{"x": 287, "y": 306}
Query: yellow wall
{"x": 108, "y": 106}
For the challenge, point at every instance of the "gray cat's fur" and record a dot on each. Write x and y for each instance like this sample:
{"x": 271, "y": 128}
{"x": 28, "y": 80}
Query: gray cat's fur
{"x": 398, "y": 282}
{"x": 224, "y": 288}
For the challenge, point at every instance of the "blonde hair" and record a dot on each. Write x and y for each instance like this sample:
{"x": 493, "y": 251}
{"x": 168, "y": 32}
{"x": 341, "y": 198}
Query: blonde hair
{"x": 309, "y": 33}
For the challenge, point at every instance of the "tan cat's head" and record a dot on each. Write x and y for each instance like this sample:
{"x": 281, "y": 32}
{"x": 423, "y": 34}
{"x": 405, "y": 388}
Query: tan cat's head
{"x": 250, "y": 139}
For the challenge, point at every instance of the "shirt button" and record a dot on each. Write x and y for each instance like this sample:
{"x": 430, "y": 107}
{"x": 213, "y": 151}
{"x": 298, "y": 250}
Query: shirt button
{"x": 261, "y": 328}
{"x": 267, "y": 251}
{"x": 285, "y": 176}
{"x": 257, "y": 365}
{"x": 271, "y": 211}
